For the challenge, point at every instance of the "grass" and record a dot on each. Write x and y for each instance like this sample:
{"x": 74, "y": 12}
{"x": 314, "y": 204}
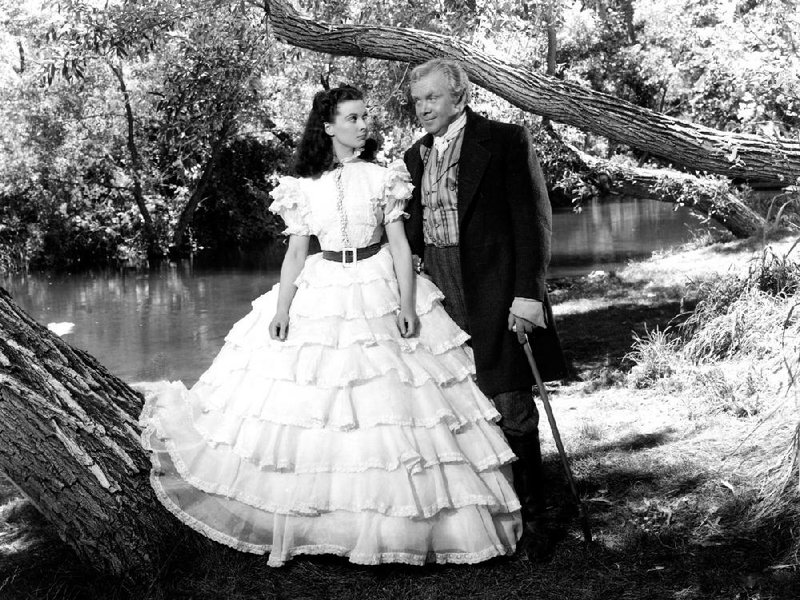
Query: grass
{"x": 737, "y": 354}
{"x": 686, "y": 460}
{"x": 652, "y": 357}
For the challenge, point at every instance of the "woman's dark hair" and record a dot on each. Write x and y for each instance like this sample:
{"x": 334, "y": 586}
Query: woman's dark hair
{"x": 314, "y": 153}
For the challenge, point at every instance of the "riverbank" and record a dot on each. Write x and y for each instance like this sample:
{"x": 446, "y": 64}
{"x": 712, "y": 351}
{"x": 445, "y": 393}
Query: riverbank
{"x": 669, "y": 453}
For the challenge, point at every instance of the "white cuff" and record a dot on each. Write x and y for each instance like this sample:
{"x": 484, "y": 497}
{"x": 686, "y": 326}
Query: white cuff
{"x": 528, "y": 309}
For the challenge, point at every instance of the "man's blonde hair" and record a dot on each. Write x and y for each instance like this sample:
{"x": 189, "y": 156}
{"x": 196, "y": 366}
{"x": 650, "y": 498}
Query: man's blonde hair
{"x": 452, "y": 69}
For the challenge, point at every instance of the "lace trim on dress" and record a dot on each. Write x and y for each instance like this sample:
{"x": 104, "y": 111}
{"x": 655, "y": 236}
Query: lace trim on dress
{"x": 357, "y": 307}
{"x": 491, "y": 502}
{"x": 317, "y": 549}
{"x": 290, "y": 204}
{"x": 345, "y": 408}
{"x": 396, "y": 191}
{"x": 412, "y": 466}
{"x": 333, "y": 368}
{"x": 454, "y": 422}
{"x": 370, "y": 333}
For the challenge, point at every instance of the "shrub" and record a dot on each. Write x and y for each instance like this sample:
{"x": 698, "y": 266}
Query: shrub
{"x": 722, "y": 328}
{"x": 653, "y": 356}
{"x": 743, "y": 315}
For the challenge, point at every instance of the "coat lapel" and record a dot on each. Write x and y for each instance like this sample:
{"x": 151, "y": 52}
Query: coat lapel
{"x": 416, "y": 166}
{"x": 473, "y": 161}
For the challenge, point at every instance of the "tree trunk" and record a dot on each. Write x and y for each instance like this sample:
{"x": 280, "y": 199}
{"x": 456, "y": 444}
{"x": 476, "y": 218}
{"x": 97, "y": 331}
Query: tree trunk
{"x": 742, "y": 156}
{"x": 21, "y": 50}
{"x": 187, "y": 214}
{"x": 552, "y": 49}
{"x": 626, "y": 6}
{"x": 151, "y": 240}
{"x": 552, "y": 40}
{"x": 69, "y": 441}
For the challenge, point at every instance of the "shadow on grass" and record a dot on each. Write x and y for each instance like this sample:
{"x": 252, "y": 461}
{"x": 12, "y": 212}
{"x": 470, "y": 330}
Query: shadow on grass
{"x": 633, "y": 558}
{"x": 638, "y": 441}
{"x": 602, "y": 337}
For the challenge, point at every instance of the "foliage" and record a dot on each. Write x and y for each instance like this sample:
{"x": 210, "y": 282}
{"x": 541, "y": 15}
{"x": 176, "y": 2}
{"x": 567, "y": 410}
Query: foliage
{"x": 743, "y": 314}
{"x": 191, "y": 73}
{"x": 234, "y": 219}
{"x": 750, "y": 324}
{"x": 202, "y": 76}
{"x": 653, "y": 357}
{"x": 209, "y": 86}
{"x": 725, "y": 353}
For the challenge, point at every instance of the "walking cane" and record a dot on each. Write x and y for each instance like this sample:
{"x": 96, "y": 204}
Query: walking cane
{"x": 582, "y": 512}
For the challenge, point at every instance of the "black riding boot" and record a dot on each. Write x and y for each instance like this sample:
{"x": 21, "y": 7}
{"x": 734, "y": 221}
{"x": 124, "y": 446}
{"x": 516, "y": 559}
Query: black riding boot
{"x": 539, "y": 538}
{"x": 528, "y": 475}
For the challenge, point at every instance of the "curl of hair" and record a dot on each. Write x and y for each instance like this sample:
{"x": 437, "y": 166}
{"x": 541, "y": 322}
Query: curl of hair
{"x": 314, "y": 154}
{"x": 457, "y": 77}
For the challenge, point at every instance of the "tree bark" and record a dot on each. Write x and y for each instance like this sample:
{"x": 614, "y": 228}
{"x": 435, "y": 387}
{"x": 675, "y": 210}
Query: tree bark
{"x": 552, "y": 39}
{"x": 552, "y": 49}
{"x": 740, "y": 156}
{"x": 21, "y": 50}
{"x": 69, "y": 440}
{"x": 151, "y": 240}
{"x": 626, "y": 6}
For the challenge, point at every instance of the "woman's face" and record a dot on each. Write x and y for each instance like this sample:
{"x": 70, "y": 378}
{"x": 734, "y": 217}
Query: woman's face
{"x": 349, "y": 126}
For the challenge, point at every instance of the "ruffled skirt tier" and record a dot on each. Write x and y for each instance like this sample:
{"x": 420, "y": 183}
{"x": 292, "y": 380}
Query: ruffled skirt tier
{"x": 345, "y": 439}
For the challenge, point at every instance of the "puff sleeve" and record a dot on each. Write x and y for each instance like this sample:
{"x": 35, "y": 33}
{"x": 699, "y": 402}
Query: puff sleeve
{"x": 397, "y": 188}
{"x": 289, "y": 202}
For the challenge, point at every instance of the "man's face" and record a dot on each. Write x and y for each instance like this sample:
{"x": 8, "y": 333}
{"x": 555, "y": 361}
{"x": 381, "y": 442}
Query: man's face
{"x": 435, "y": 106}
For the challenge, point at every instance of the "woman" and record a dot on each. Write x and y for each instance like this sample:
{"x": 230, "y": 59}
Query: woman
{"x": 341, "y": 415}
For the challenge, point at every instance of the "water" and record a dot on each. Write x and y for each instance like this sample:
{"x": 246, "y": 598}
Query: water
{"x": 605, "y": 236}
{"x": 163, "y": 324}
{"x": 170, "y": 323}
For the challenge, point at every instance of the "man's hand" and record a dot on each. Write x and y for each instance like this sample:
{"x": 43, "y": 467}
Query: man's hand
{"x": 533, "y": 311}
{"x": 520, "y": 326}
{"x": 529, "y": 310}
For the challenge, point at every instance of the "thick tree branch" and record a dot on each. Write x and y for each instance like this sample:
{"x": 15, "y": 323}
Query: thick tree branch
{"x": 713, "y": 198}
{"x": 739, "y": 156}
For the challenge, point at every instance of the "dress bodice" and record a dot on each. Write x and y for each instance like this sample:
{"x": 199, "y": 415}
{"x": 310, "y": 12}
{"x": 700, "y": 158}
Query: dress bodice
{"x": 372, "y": 196}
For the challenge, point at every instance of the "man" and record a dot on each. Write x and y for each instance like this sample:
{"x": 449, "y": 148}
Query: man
{"x": 480, "y": 219}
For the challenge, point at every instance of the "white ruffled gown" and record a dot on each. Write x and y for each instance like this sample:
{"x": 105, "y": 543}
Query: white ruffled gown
{"x": 346, "y": 438}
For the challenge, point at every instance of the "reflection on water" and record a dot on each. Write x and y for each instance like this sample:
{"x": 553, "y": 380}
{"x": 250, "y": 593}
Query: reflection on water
{"x": 163, "y": 324}
{"x": 606, "y": 235}
{"x": 169, "y": 323}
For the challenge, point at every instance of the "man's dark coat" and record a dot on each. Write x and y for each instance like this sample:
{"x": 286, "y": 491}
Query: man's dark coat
{"x": 504, "y": 220}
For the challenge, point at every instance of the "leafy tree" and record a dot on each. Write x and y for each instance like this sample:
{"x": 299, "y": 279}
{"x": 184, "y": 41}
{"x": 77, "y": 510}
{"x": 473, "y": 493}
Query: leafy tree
{"x": 117, "y": 119}
{"x": 211, "y": 92}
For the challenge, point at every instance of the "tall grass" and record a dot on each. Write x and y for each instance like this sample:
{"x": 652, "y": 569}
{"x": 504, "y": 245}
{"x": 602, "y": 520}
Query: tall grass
{"x": 738, "y": 352}
{"x": 748, "y": 323}
{"x": 744, "y": 314}
{"x": 653, "y": 358}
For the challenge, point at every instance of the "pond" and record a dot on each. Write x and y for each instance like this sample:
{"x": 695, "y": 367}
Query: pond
{"x": 170, "y": 322}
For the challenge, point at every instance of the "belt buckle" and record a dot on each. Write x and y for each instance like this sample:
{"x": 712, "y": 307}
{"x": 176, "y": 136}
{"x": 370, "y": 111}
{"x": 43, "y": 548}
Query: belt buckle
{"x": 353, "y": 251}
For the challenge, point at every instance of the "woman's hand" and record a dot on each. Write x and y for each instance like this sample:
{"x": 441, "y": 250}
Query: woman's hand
{"x": 279, "y": 326}
{"x": 408, "y": 322}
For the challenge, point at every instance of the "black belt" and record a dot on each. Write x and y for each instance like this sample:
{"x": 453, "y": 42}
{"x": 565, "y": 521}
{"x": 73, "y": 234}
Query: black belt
{"x": 351, "y": 255}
